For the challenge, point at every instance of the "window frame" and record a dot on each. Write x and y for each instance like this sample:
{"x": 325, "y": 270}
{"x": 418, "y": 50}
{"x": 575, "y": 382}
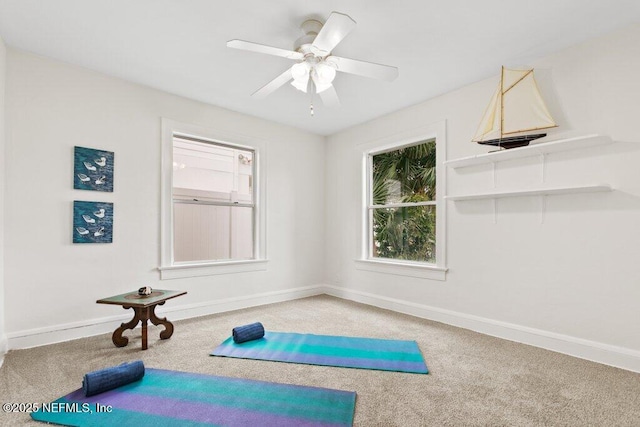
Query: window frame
{"x": 172, "y": 270}
{"x": 365, "y": 260}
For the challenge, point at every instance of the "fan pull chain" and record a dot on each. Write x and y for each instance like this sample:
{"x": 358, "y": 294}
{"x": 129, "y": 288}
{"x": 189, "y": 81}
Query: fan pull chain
{"x": 313, "y": 89}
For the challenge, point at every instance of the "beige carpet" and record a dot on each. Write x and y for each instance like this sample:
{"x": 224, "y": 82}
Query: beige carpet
{"x": 474, "y": 379}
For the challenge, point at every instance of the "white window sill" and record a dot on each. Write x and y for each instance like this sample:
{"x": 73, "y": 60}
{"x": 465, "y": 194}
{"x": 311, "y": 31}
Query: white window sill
{"x": 403, "y": 268}
{"x": 180, "y": 271}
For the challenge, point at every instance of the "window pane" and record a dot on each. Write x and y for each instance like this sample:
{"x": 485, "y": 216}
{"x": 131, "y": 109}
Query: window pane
{"x": 405, "y": 175}
{"x": 207, "y": 233}
{"x": 241, "y": 233}
{"x": 212, "y": 172}
{"x": 404, "y": 233}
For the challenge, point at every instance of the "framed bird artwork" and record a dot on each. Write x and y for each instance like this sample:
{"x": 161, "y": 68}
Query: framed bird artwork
{"x": 92, "y": 222}
{"x": 92, "y": 169}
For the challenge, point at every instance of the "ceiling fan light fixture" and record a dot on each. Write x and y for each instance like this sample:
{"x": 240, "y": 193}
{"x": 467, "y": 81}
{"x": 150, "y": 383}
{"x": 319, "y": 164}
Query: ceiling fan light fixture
{"x": 301, "y": 84}
{"x": 326, "y": 73}
{"x": 300, "y": 71}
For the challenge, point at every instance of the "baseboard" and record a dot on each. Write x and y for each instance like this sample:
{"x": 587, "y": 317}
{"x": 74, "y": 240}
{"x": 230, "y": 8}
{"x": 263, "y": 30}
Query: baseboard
{"x": 69, "y": 331}
{"x": 3, "y": 347}
{"x": 220, "y": 306}
{"x": 619, "y": 357}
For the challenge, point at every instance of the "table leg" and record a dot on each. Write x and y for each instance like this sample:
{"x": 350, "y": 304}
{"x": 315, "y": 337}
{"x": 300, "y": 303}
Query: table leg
{"x": 117, "y": 337}
{"x": 144, "y": 316}
{"x": 168, "y": 326}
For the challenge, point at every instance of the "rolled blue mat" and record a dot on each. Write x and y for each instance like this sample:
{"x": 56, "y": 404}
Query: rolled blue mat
{"x": 250, "y": 332}
{"x": 97, "y": 382}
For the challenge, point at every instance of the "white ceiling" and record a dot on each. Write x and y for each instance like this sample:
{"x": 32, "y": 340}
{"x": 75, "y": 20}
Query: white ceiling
{"x": 179, "y": 46}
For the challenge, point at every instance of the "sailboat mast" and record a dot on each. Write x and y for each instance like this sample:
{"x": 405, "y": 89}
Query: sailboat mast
{"x": 501, "y": 101}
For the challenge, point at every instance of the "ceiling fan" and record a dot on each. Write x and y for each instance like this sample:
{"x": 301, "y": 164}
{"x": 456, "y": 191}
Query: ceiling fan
{"x": 315, "y": 66}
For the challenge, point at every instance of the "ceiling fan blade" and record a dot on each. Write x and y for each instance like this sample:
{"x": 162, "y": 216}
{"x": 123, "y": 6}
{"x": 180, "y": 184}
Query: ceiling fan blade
{"x": 329, "y": 96}
{"x": 261, "y": 48}
{"x": 337, "y": 27}
{"x": 274, "y": 84}
{"x": 362, "y": 68}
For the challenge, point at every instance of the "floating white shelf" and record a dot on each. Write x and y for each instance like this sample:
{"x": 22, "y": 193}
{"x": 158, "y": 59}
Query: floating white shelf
{"x": 531, "y": 150}
{"x": 533, "y": 192}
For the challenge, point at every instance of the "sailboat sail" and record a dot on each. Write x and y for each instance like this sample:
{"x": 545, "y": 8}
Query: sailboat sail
{"x": 490, "y": 125}
{"x": 515, "y": 107}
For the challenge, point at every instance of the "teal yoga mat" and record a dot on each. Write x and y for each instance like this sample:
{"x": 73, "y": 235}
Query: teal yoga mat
{"x": 329, "y": 350}
{"x": 171, "y": 398}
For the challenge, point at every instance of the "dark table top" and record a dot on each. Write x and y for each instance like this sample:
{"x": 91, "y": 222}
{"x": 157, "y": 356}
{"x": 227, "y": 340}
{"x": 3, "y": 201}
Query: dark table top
{"x": 132, "y": 299}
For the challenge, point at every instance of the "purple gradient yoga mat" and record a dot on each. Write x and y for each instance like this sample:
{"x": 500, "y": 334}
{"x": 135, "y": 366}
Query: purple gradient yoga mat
{"x": 171, "y": 398}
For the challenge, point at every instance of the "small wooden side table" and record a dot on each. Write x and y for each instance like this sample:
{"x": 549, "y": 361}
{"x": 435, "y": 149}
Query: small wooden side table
{"x": 144, "y": 309}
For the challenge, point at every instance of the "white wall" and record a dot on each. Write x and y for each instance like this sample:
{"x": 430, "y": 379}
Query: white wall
{"x": 571, "y": 283}
{"x": 3, "y": 61}
{"x": 51, "y": 284}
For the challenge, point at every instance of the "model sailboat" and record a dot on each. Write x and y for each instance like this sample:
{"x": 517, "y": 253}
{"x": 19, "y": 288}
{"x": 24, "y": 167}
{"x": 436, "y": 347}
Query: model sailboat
{"x": 515, "y": 109}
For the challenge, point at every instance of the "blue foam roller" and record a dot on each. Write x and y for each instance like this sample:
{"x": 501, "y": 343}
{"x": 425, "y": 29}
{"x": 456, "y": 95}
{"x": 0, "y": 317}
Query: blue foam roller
{"x": 250, "y": 332}
{"x": 97, "y": 382}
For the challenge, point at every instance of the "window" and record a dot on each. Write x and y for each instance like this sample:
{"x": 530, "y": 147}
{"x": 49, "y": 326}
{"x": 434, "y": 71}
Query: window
{"x": 403, "y": 211}
{"x": 213, "y": 209}
{"x": 402, "y": 214}
{"x": 212, "y": 221}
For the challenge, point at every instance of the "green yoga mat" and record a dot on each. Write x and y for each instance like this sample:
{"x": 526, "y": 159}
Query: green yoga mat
{"x": 329, "y": 350}
{"x": 170, "y": 398}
